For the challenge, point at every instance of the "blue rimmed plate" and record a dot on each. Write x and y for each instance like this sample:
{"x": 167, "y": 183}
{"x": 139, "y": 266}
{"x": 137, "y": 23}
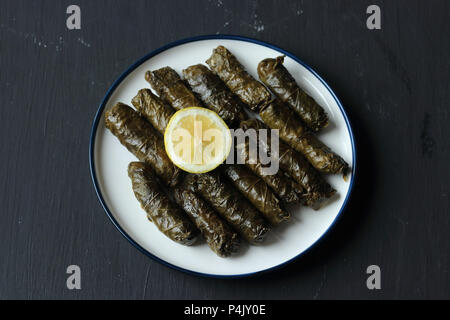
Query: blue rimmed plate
{"x": 109, "y": 161}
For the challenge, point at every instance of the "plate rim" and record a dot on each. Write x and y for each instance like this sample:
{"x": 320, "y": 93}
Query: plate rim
{"x": 176, "y": 43}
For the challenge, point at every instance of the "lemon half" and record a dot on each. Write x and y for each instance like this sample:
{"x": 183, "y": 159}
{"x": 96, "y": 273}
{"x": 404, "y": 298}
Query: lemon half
{"x": 197, "y": 140}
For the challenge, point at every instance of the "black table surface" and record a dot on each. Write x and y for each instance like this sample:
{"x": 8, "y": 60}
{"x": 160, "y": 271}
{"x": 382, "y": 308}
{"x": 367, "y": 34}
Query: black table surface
{"x": 393, "y": 82}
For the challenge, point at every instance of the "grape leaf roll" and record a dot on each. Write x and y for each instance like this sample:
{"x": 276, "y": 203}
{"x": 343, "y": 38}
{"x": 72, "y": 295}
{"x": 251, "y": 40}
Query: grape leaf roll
{"x": 139, "y": 137}
{"x": 316, "y": 188}
{"x": 257, "y": 192}
{"x": 166, "y": 216}
{"x": 283, "y": 85}
{"x": 252, "y": 92}
{"x": 230, "y": 204}
{"x": 284, "y": 187}
{"x": 278, "y": 116}
{"x": 218, "y": 234}
{"x": 215, "y": 94}
{"x": 170, "y": 88}
{"x": 156, "y": 111}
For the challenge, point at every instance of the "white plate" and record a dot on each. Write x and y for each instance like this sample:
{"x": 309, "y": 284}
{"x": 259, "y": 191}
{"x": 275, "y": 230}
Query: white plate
{"x": 109, "y": 161}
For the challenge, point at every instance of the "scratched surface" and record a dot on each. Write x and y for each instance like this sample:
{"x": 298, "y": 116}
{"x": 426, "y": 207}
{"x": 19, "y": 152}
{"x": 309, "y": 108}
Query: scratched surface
{"x": 393, "y": 82}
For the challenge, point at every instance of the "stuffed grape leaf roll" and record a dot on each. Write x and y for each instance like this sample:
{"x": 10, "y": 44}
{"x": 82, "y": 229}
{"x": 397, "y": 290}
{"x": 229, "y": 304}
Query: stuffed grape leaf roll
{"x": 252, "y": 92}
{"x": 230, "y": 204}
{"x": 257, "y": 192}
{"x": 278, "y": 116}
{"x": 285, "y": 188}
{"x": 166, "y": 216}
{"x": 156, "y": 111}
{"x": 220, "y": 237}
{"x": 215, "y": 94}
{"x": 283, "y": 85}
{"x": 139, "y": 137}
{"x": 170, "y": 88}
{"x": 316, "y": 188}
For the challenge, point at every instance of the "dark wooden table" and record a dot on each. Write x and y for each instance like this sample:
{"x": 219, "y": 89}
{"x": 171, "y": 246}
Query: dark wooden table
{"x": 394, "y": 83}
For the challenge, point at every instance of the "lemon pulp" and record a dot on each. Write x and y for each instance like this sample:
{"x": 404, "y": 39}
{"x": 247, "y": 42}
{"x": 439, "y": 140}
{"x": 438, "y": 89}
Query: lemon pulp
{"x": 197, "y": 140}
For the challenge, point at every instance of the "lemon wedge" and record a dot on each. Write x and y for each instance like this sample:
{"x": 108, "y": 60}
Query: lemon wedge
{"x": 197, "y": 140}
